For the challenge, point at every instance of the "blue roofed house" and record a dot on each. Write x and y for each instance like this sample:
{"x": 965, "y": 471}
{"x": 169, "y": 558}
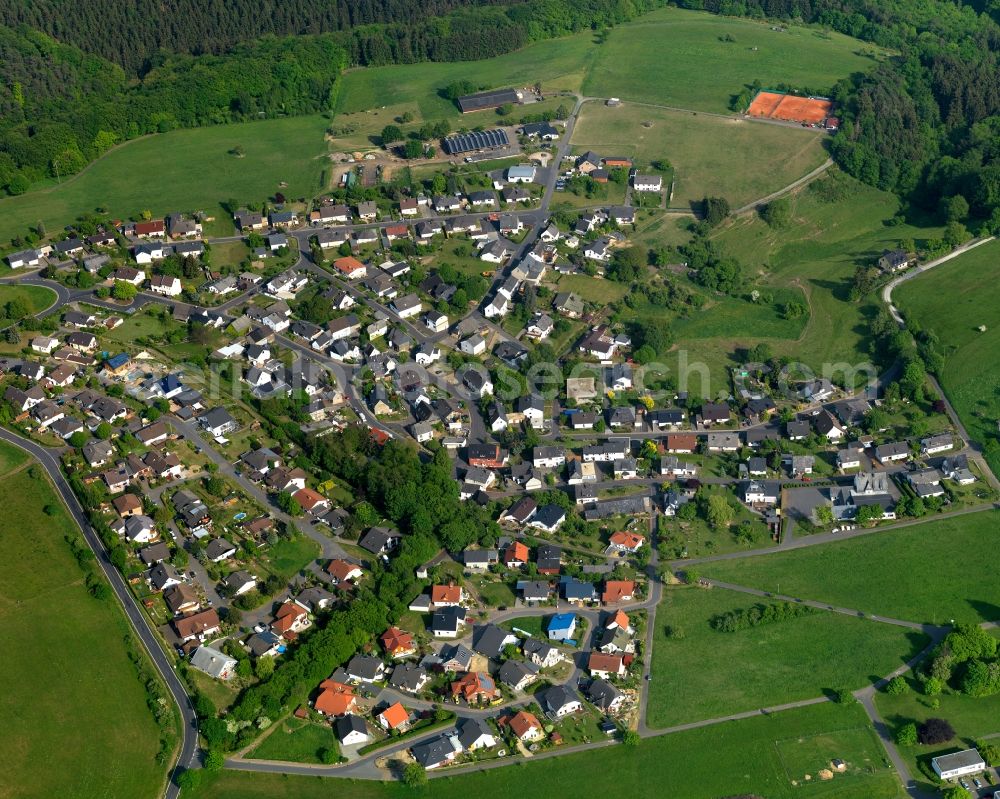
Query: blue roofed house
{"x": 562, "y": 626}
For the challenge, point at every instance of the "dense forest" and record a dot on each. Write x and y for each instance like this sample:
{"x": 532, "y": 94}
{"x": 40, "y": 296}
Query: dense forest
{"x": 60, "y": 108}
{"x": 924, "y": 124}
{"x": 115, "y": 71}
{"x": 132, "y": 34}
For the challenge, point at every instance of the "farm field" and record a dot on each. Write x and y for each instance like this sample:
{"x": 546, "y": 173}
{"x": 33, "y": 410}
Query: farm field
{"x": 971, "y": 285}
{"x": 837, "y": 223}
{"x": 711, "y": 156}
{"x": 79, "y": 707}
{"x": 187, "y": 170}
{"x": 898, "y": 573}
{"x": 762, "y": 756}
{"x": 708, "y": 674}
{"x": 679, "y": 58}
{"x": 972, "y": 717}
{"x": 35, "y": 298}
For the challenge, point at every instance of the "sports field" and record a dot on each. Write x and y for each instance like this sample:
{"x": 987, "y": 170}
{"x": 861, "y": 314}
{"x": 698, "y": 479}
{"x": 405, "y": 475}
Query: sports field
{"x": 788, "y": 107}
{"x": 711, "y": 156}
{"x": 708, "y": 674}
{"x": 184, "y": 170}
{"x": 684, "y": 59}
{"x": 952, "y": 301}
{"x": 73, "y": 715}
{"x": 897, "y": 573}
{"x": 761, "y": 756}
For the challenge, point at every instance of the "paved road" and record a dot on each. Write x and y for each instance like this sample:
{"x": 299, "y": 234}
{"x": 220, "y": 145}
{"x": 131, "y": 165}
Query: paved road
{"x": 329, "y": 548}
{"x": 909, "y": 274}
{"x": 140, "y": 622}
{"x": 866, "y": 696}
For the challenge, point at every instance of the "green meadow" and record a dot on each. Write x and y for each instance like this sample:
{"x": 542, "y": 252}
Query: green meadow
{"x": 74, "y": 718}
{"x": 971, "y": 285}
{"x": 898, "y": 573}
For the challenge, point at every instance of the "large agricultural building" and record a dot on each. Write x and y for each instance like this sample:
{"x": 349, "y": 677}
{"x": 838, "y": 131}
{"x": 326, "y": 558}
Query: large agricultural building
{"x": 462, "y": 143}
{"x": 486, "y": 100}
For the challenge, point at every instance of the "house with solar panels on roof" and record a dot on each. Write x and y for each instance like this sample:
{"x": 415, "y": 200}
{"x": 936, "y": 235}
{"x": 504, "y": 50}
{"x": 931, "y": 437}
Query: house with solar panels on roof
{"x": 475, "y": 141}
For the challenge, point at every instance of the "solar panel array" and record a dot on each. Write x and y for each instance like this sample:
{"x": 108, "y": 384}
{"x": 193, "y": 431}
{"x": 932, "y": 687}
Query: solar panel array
{"x": 478, "y": 140}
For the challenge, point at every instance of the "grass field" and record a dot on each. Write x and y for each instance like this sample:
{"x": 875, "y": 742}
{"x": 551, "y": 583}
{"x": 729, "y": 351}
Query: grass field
{"x": 36, "y": 298}
{"x": 558, "y": 64}
{"x": 742, "y": 757}
{"x": 592, "y": 289}
{"x": 816, "y": 253}
{"x": 952, "y": 301}
{"x": 297, "y": 741}
{"x": 74, "y": 720}
{"x": 678, "y": 58}
{"x": 289, "y": 556}
{"x": 711, "y": 156}
{"x": 898, "y": 573}
{"x": 184, "y": 170}
{"x": 707, "y": 674}
{"x": 972, "y": 717}
{"x": 11, "y": 458}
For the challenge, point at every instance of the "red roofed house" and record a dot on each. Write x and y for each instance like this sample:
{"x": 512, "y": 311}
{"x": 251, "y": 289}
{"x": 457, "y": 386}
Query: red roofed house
{"x": 601, "y": 665}
{"x": 620, "y": 621}
{"x": 398, "y": 643}
{"x": 682, "y": 442}
{"x": 516, "y": 555}
{"x": 394, "y": 717}
{"x": 475, "y": 687}
{"x": 310, "y": 501}
{"x": 197, "y": 625}
{"x": 625, "y": 541}
{"x": 617, "y": 161}
{"x": 524, "y": 725}
{"x": 350, "y": 267}
{"x": 393, "y": 232}
{"x": 343, "y": 571}
{"x": 335, "y": 699}
{"x": 146, "y": 230}
{"x": 618, "y": 591}
{"x": 290, "y": 619}
{"x": 445, "y": 595}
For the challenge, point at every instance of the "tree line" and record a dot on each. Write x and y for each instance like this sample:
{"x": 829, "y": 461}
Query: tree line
{"x": 746, "y": 618}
